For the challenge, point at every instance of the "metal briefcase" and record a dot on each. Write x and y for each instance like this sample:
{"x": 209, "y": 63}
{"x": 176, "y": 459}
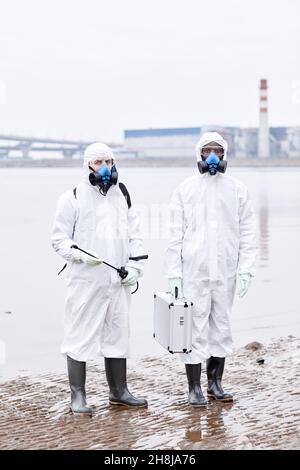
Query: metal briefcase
{"x": 173, "y": 323}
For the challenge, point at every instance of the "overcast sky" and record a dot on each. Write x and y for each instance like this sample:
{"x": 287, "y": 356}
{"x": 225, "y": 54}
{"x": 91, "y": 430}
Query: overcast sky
{"x": 92, "y": 68}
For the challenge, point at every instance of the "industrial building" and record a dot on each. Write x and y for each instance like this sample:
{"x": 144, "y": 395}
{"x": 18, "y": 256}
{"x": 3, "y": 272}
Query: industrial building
{"x": 284, "y": 142}
{"x": 262, "y": 142}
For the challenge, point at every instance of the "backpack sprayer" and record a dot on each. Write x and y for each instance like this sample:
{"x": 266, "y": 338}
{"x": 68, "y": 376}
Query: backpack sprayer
{"x": 121, "y": 271}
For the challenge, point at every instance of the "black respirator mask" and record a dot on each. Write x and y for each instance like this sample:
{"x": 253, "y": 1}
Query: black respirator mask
{"x": 212, "y": 164}
{"x": 104, "y": 177}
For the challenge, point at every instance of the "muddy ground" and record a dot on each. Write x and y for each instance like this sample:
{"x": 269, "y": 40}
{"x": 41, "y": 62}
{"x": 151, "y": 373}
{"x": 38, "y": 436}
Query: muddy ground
{"x": 265, "y": 414}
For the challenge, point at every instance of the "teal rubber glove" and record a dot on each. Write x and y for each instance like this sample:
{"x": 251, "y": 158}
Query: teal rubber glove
{"x": 173, "y": 283}
{"x": 244, "y": 280}
{"x": 132, "y": 276}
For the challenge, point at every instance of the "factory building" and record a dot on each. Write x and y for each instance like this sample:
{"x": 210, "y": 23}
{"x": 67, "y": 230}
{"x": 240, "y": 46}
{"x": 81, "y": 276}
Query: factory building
{"x": 284, "y": 142}
{"x": 262, "y": 142}
{"x": 170, "y": 142}
{"x": 173, "y": 142}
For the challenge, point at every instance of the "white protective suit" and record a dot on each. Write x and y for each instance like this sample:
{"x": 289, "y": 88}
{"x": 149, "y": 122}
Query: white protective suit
{"x": 213, "y": 236}
{"x": 96, "y": 321}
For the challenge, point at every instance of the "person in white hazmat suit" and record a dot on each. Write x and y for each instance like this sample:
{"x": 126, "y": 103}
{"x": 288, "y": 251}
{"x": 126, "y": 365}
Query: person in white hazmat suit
{"x": 98, "y": 218}
{"x": 213, "y": 245}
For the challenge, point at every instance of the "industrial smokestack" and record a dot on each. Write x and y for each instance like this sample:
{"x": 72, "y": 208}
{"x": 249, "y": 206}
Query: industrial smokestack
{"x": 263, "y": 131}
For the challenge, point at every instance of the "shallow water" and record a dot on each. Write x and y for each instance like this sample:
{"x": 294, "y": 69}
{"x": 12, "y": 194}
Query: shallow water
{"x": 32, "y": 296}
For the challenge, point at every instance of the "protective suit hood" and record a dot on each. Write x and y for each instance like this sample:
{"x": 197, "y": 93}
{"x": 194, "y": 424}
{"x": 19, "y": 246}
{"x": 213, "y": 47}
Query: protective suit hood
{"x": 208, "y": 137}
{"x": 95, "y": 152}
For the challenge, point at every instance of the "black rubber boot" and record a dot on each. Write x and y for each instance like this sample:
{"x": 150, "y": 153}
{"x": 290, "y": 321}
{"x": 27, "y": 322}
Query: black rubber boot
{"x": 215, "y": 369}
{"x": 118, "y": 391}
{"x": 193, "y": 372}
{"x": 76, "y": 371}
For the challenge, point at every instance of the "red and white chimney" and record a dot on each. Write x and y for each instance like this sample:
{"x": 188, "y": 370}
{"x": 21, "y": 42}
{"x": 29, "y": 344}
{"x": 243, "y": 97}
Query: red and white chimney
{"x": 263, "y": 131}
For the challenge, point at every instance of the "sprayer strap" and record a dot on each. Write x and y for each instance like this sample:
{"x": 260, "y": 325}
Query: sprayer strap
{"x": 122, "y": 188}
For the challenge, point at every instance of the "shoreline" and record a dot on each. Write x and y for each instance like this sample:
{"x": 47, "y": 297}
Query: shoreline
{"x": 147, "y": 162}
{"x": 264, "y": 414}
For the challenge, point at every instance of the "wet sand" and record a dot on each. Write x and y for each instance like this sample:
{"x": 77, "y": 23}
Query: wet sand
{"x": 265, "y": 414}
